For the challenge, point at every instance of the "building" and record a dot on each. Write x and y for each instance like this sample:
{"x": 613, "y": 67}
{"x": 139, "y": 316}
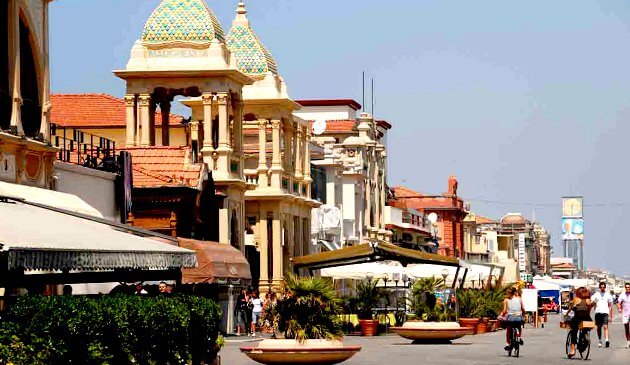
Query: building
{"x": 73, "y": 242}
{"x": 410, "y": 228}
{"x": 449, "y": 211}
{"x": 563, "y": 267}
{"x": 480, "y": 238}
{"x": 353, "y": 170}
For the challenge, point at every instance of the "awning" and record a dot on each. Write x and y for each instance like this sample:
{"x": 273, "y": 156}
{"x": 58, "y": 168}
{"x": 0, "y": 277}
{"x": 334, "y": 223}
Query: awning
{"x": 37, "y": 237}
{"x": 370, "y": 252}
{"x": 218, "y": 263}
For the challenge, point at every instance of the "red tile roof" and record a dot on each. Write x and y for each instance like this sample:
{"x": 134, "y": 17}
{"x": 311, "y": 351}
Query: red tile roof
{"x": 163, "y": 167}
{"x": 94, "y": 111}
{"x": 339, "y": 126}
{"x": 483, "y": 220}
{"x": 407, "y": 198}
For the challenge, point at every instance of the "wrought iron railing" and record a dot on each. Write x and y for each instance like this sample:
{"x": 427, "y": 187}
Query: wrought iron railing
{"x": 84, "y": 149}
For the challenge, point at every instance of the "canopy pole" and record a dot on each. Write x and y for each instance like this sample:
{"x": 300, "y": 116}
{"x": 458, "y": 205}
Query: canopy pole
{"x": 455, "y": 278}
{"x": 461, "y": 286}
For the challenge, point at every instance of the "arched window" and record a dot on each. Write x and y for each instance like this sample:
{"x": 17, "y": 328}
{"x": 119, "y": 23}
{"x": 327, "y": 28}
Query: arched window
{"x": 5, "y": 95}
{"x": 31, "y": 108}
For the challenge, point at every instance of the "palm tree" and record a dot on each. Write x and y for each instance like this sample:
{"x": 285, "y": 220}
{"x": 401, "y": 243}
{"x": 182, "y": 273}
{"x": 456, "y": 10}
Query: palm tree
{"x": 308, "y": 308}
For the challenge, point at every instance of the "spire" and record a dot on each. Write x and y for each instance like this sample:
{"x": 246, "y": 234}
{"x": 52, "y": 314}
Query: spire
{"x": 241, "y": 15}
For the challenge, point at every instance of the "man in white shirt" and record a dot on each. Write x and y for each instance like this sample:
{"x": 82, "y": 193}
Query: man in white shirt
{"x": 603, "y": 311}
{"x": 624, "y": 308}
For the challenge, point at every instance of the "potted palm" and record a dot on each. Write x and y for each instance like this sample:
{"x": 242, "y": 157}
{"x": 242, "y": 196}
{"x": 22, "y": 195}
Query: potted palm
{"x": 469, "y": 301}
{"x": 306, "y": 314}
{"x": 368, "y": 296}
{"x": 434, "y": 318}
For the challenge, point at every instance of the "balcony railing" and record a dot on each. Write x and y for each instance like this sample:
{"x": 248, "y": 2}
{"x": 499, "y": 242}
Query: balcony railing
{"x": 85, "y": 149}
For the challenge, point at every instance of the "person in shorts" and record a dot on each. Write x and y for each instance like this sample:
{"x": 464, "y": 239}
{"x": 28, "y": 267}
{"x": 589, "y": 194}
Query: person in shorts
{"x": 603, "y": 311}
{"x": 623, "y": 304}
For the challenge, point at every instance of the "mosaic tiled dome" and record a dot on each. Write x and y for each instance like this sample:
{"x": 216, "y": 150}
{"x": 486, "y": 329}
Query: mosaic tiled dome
{"x": 252, "y": 56}
{"x": 182, "y": 21}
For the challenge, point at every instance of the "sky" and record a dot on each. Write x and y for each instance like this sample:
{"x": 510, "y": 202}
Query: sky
{"x": 525, "y": 102}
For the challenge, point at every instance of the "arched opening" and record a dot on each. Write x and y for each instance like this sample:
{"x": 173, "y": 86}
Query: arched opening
{"x": 5, "y": 95}
{"x": 29, "y": 86}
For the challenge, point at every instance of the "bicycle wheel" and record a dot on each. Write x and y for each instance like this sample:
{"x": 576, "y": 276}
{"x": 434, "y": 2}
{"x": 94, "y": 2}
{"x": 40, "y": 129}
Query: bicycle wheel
{"x": 517, "y": 348}
{"x": 586, "y": 345}
{"x": 568, "y": 344}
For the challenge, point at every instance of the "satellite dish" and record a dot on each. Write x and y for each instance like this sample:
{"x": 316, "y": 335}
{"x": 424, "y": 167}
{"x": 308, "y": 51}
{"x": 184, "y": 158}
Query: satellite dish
{"x": 432, "y": 217}
{"x": 319, "y": 127}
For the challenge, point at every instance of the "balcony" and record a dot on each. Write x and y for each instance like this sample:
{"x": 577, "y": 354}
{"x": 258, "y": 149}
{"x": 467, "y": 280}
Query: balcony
{"x": 84, "y": 149}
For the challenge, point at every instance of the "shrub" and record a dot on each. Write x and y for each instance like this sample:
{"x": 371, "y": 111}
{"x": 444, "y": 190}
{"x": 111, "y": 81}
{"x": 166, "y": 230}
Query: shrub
{"x": 117, "y": 329}
{"x": 424, "y": 303}
{"x": 368, "y": 296}
{"x": 308, "y": 308}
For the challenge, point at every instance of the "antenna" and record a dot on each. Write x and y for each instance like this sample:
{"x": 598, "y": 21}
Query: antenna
{"x": 372, "y": 97}
{"x": 363, "y": 86}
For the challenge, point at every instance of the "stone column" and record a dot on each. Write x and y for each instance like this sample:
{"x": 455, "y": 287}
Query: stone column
{"x": 298, "y": 155}
{"x": 262, "y": 154}
{"x": 277, "y": 250}
{"x": 165, "y": 109}
{"x": 145, "y": 114}
{"x": 130, "y": 106}
{"x": 152, "y": 110}
{"x": 288, "y": 152}
{"x": 46, "y": 103}
{"x": 14, "y": 66}
{"x": 224, "y": 222}
{"x": 307, "y": 163}
{"x": 238, "y": 134}
{"x": 224, "y": 150}
{"x": 264, "y": 252}
{"x": 207, "y": 148}
{"x": 276, "y": 162}
{"x": 383, "y": 183}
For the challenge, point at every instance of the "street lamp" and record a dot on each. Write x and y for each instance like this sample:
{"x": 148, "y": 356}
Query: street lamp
{"x": 444, "y": 275}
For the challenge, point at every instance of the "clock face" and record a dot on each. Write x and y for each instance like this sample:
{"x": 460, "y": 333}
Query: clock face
{"x": 572, "y": 207}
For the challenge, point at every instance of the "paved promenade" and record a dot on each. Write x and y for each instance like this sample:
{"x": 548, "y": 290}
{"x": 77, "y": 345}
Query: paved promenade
{"x": 542, "y": 346}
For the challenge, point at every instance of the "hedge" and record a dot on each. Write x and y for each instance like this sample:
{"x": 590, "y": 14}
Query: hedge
{"x": 119, "y": 329}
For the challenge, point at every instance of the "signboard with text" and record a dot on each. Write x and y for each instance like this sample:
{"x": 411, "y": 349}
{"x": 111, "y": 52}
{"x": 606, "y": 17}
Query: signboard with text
{"x": 522, "y": 266}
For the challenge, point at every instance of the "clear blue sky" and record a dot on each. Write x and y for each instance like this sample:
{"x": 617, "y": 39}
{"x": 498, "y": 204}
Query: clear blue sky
{"x": 524, "y": 101}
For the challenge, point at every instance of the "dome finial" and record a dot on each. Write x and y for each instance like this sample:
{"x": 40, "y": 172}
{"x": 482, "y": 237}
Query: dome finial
{"x": 241, "y": 14}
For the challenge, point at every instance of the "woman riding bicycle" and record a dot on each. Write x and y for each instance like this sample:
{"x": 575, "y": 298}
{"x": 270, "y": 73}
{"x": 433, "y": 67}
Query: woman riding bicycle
{"x": 515, "y": 311}
{"x": 581, "y": 306}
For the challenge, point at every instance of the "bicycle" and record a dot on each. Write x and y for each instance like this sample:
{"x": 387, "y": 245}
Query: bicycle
{"x": 583, "y": 345}
{"x": 515, "y": 341}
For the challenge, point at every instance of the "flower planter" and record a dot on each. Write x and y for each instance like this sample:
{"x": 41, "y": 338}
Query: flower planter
{"x": 432, "y": 331}
{"x": 320, "y": 352}
{"x": 482, "y": 326}
{"x": 369, "y": 327}
{"x": 470, "y": 322}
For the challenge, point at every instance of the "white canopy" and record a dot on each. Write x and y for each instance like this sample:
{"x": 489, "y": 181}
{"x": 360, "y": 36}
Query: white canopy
{"x": 542, "y": 284}
{"x": 475, "y": 273}
{"x": 393, "y": 270}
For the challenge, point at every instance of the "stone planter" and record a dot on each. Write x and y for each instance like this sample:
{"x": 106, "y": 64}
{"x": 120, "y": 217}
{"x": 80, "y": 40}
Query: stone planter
{"x": 320, "y": 352}
{"x": 432, "y": 331}
{"x": 369, "y": 327}
{"x": 470, "y": 322}
{"x": 482, "y": 326}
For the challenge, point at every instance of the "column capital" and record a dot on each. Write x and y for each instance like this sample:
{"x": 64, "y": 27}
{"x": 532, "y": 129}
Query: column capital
{"x": 262, "y": 123}
{"x": 206, "y": 98}
{"x": 275, "y": 124}
{"x": 130, "y": 100}
{"x": 144, "y": 99}
{"x": 223, "y": 98}
{"x": 298, "y": 129}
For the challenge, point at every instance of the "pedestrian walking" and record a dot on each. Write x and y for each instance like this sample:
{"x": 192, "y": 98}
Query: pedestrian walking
{"x": 257, "y": 306}
{"x": 241, "y": 312}
{"x": 623, "y": 304}
{"x": 603, "y": 312}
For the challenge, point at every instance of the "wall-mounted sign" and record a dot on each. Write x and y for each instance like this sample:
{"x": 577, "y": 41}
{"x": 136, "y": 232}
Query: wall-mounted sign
{"x": 522, "y": 266}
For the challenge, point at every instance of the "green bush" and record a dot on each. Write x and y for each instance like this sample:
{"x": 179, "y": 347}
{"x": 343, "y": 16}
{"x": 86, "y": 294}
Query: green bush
{"x": 118, "y": 329}
{"x": 308, "y": 308}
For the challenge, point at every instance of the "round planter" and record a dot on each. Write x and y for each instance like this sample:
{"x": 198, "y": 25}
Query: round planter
{"x": 470, "y": 322}
{"x": 369, "y": 327}
{"x": 482, "y": 326}
{"x": 320, "y": 352}
{"x": 432, "y": 331}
